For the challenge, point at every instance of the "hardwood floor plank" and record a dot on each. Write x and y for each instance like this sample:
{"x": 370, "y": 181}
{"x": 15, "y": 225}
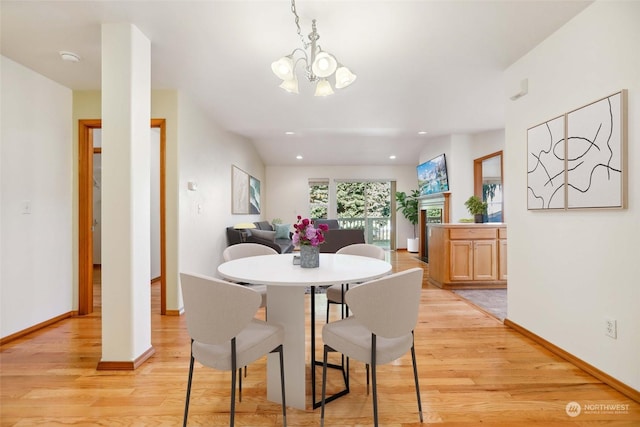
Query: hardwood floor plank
{"x": 473, "y": 370}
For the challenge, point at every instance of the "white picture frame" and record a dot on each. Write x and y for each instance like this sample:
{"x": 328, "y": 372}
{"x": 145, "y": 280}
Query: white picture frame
{"x": 596, "y": 154}
{"x": 239, "y": 191}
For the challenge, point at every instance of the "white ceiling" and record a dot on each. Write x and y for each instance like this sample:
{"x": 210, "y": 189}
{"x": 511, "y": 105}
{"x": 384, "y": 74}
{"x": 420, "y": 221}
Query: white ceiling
{"x": 421, "y": 65}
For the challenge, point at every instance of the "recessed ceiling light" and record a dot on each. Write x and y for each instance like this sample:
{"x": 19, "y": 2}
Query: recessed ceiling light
{"x": 299, "y": 157}
{"x": 392, "y": 157}
{"x": 422, "y": 132}
{"x": 289, "y": 133}
{"x": 69, "y": 56}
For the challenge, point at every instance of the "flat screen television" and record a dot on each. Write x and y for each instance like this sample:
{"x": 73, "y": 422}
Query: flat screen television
{"x": 432, "y": 176}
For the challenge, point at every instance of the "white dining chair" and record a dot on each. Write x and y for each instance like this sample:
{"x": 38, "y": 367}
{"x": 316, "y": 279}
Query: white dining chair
{"x": 244, "y": 250}
{"x": 335, "y": 293}
{"x": 385, "y": 313}
{"x": 224, "y": 333}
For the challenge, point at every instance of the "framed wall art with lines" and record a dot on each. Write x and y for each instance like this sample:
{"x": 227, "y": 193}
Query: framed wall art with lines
{"x": 546, "y": 165}
{"x": 596, "y": 158}
{"x": 579, "y": 160}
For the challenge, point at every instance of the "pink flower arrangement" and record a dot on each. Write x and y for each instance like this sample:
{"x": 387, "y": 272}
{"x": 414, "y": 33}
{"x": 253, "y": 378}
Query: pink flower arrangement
{"x": 307, "y": 234}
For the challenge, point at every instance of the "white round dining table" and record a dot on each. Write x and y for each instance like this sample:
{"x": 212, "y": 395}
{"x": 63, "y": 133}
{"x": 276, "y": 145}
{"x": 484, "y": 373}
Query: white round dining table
{"x": 286, "y": 284}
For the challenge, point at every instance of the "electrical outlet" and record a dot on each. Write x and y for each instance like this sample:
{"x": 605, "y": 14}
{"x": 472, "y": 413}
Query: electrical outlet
{"x": 611, "y": 327}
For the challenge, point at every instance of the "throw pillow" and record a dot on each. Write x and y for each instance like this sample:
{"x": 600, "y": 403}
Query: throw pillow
{"x": 264, "y": 234}
{"x": 282, "y": 231}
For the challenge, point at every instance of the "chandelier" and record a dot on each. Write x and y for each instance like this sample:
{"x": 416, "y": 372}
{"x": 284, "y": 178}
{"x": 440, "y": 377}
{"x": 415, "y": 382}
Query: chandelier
{"x": 319, "y": 65}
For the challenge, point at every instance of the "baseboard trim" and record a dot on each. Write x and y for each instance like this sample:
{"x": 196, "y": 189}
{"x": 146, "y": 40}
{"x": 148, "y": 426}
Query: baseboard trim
{"x": 590, "y": 369}
{"x": 175, "y": 312}
{"x": 127, "y": 365}
{"x": 34, "y": 328}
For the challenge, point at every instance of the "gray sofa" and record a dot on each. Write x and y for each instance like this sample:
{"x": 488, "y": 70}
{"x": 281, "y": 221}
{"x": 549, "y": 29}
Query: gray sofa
{"x": 263, "y": 234}
{"x": 336, "y": 237}
{"x": 339, "y": 238}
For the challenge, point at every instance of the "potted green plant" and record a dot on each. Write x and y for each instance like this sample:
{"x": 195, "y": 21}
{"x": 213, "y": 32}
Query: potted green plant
{"x": 477, "y": 208}
{"x": 408, "y": 206}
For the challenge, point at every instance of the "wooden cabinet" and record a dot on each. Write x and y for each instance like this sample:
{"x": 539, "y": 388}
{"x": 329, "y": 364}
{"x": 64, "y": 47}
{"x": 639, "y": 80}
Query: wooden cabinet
{"x": 502, "y": 254}
{"x": 461, "y": 260}
{"x": 467, "y": 256}
{"x": 485, "y": 260}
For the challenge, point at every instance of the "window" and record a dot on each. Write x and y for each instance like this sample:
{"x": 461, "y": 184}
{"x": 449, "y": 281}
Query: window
{"x": 319, "y": 198}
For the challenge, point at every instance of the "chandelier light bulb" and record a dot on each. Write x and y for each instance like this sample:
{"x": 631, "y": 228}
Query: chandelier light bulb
{"x": 290, "y": 85}
{"x": 324, "y": 65}
{"x": 283, "y": 68}
{"x": 323, "y": 88}
{"x": 344, "y": 77}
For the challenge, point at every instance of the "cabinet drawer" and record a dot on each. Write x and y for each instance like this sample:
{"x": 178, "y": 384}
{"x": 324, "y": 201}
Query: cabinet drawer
{"x": 472, "y": 233}
{"x": 502, "y": 233}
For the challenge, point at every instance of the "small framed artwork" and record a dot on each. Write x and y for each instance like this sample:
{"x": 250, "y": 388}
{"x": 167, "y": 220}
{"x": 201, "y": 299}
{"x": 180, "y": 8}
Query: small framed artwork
{"x": 254, "y": 195}
{"x": 546, "y": 165}
{"x": 596, "y": 154}
{"x": 239, "y": 191}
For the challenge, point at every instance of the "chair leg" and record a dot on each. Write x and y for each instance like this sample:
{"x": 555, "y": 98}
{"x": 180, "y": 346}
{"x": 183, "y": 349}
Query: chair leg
{"x": 415, "y": 376}
{"x": 367, "y": 368}
{"x": 343, "y": 305}
{"x": 328, "y": 305}
{"x": 284, "y": 402}
{"x": 324, "y": 384}
{"x": 186, "y": 403}
{"x": 240, "y": 384}
{"x": 373, "y": 380}
{"x": 233, "y": 382}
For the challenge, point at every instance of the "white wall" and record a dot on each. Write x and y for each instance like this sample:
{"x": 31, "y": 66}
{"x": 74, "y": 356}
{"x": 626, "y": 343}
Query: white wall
{"x": 206, "y": 154}
{"x": 460, "y": 151}
{"x": 198, "y": 150}
{"x": 485, "y": 143}
{"x": 461, "y": 175}
{"x": 36, "y": 153}
{"x": 288, "y": 194}
{"x": 570, "y": 270}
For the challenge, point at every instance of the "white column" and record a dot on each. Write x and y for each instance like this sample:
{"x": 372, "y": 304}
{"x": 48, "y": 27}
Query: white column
{"x": 126, "y": 114}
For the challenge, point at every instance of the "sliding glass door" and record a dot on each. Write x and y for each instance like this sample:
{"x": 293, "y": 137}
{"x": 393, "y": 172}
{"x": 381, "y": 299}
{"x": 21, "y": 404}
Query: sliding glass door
{"x": 367, "y": 205}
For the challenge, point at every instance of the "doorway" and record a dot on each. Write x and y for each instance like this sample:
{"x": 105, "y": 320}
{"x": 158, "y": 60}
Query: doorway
{"x": 368, "y": 205}
{"x": 488, "y": 185}
{"x": 89, "y": 151}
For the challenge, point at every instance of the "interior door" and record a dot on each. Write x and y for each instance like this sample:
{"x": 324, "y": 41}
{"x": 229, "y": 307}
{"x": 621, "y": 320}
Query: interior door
{"x": 89, "y": 223}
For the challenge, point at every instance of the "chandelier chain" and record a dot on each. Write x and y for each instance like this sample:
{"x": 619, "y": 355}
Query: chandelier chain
{"x": 297, "y": 20}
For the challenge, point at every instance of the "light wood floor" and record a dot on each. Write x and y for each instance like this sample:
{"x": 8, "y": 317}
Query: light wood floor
{"x": 473, "y": 371}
